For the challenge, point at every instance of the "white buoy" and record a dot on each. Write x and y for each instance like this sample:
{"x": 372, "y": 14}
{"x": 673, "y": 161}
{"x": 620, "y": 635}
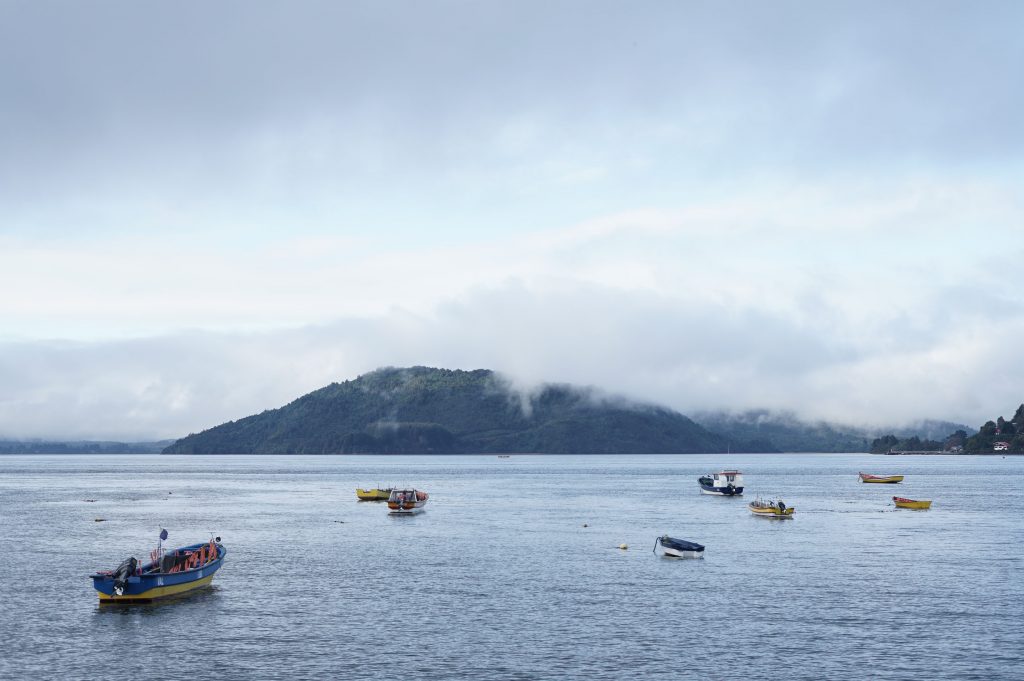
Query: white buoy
{"x": 623, "y": 546}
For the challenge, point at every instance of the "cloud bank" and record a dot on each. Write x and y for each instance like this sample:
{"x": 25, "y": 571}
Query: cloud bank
{"x": 917, "y": 333}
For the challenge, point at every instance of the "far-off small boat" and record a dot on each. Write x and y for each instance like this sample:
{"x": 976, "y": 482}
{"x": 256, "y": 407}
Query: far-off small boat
{"x": 911, "y": 503}
{"x": 169, "y": 573}
{"x": 406, "y": 501}
{"x": 680, "y": 548}
{"x": 770, "y": 508}
{"x": 375, "y": 494}
{"x": 885, "y": 479}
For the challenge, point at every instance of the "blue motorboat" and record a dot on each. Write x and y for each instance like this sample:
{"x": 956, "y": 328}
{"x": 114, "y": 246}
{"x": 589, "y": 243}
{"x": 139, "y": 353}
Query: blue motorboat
{"x": 169, "y": 573}
{"x": 679, "y": 548}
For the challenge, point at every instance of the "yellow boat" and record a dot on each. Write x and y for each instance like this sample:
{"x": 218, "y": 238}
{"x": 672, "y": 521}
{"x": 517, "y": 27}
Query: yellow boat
{"x": 910, "y": 503}
{"x": 864, "y": 477}
{"x": 769, "y": 508}
{"x": 375, "y": 494}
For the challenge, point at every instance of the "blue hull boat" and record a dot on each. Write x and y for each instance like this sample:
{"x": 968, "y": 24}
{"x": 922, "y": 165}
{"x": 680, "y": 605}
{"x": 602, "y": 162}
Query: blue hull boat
{"x": 680, "y": 548}
{"x": 170, "y": 573}
{"x": 722, "y": 484}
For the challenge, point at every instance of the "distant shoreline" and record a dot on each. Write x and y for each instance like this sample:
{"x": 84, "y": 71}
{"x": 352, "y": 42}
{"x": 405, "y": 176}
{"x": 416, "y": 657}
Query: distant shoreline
{"x": 950, "y": 454}
{"x": 490, "y": 454}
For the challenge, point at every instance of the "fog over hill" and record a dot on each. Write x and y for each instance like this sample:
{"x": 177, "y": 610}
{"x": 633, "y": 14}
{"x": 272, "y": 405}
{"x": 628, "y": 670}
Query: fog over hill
{"x": 786, "y": 431}
{"x": 425, "y": 410}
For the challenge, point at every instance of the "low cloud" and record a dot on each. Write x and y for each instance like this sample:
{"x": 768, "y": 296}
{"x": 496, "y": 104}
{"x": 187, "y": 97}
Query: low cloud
{"x": 884, "y": 306}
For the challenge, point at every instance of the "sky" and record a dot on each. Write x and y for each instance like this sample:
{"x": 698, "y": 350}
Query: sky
{"x": 210, "y": 209}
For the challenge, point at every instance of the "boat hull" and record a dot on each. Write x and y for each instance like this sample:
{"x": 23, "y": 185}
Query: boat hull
{"x": 721, "y": 491}
{"x": 146, "y": 588}
{"x": 372, "y": 494}
{"x": 154, "y": 593}
{"x": 916, "y": 505}
{"x": 407, "y": 509}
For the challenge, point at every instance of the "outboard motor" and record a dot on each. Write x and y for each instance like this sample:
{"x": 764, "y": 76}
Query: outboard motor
{"x": 125, "y": 570}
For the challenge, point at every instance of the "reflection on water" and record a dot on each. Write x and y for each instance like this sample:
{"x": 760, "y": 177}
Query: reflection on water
{"x": 514, "y": 572}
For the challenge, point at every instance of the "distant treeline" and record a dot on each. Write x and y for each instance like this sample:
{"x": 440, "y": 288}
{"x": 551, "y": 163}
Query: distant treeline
{"x": 84, "y": 447}
{"x": 994, "y": 436}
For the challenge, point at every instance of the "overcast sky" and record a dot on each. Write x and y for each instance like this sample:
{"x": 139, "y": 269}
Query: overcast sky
{"x": 209, "y": 209}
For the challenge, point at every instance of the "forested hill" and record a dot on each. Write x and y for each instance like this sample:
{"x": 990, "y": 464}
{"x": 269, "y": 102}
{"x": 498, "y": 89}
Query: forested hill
{"x": 424, "y": 410}
{"x": 993, "y": 436}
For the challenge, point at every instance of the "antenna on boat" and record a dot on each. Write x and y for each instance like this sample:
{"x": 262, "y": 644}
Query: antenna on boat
{"x": 158, "y": 555}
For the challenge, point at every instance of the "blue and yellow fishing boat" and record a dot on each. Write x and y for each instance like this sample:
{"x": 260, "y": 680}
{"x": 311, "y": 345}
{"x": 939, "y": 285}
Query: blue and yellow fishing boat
{"x": 169, "y": 573}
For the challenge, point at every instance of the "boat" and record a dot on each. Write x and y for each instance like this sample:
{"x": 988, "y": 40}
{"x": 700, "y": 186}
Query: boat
{"x": 375, "y": 494}
{"x": 168, "y": 573}
{"x": 911, "y": 503}
{"x": 891, "y": 479}
{"x": 680, "y": 548}
{"x": 770, "y": 508}
{"x": 406, "y": 501}
{"x": 723, "y": 484}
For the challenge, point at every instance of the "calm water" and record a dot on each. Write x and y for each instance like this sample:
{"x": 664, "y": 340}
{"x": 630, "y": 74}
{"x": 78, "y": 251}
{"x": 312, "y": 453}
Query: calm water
{"x": 499, "y": 578}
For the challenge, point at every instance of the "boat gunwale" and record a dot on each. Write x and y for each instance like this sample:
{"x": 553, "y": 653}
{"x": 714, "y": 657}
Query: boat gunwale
{"x": 221, "y": 553}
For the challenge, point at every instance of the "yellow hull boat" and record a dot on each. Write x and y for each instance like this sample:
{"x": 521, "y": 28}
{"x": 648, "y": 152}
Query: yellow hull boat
{"x": 890, "y": 479}
{"x": 770, "y": 509}
{"x": 374, "y": 494}
{"x": 910, "y": 503}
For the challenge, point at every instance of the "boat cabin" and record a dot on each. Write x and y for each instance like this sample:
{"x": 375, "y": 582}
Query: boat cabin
{"x": 727, "y": 478}
{"x": 404, "y": 496}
